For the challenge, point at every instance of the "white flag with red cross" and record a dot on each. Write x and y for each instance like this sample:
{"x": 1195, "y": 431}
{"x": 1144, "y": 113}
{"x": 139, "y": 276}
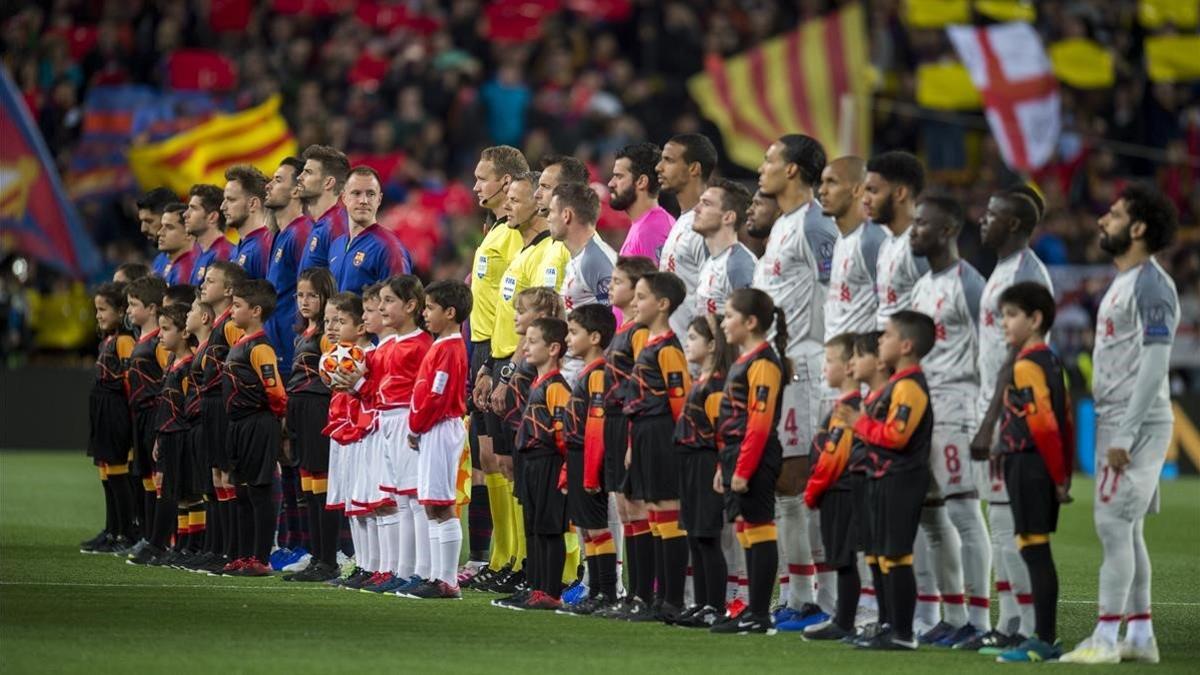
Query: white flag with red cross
{"x": 1009, "y": 66}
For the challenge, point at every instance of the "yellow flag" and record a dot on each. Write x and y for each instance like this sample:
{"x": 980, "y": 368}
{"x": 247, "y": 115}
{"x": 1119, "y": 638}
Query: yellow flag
{"x": 1007, "y": 10}
{"x": 1082, "y": 63}
{"x": 946, "y": 85}
{"x": 1172, "y": 58}
{"x": 936, "y": 13}
{"x": 258, "y": 136}
{"x": 1155, "y": 14}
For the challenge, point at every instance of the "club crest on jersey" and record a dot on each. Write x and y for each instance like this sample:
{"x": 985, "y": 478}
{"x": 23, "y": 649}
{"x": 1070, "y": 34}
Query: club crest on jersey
{"x": 902, "y": 414}
{"x": 312, "y": 244}
{"x": 200, "y": 272}
{"x": 359, "y": 258}
{"x": 279, "y": 254}
{"x": 242, "y": 259}
{"x": 268, "y": 375}
{"x": 675, "y": 383}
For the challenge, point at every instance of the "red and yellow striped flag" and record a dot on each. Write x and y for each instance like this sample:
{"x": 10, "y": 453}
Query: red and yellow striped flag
{"x": 257, "y": 136}
{"x": 814, "y": 80}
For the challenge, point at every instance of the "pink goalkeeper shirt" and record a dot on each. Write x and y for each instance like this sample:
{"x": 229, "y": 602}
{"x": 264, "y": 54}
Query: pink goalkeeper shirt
{"x": 648, "y": 233}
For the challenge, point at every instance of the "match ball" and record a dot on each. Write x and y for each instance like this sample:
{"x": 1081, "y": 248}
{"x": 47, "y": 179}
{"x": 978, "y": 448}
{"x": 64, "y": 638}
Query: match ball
{"x": 345, "y": 357}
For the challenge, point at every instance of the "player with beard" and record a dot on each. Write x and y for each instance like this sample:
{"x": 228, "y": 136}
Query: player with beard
{"x": 283, "y": 199}
{"x": 321, "y": 182}
{"x": 245, "y": 191}
{"x": 894, "y": 181}
{"x": 204, "y": 221}
{"x": 794, "y": 271}
{"x": 1135, "y": 327}
{"x": 634, "y": 186}
{"x": 760, "y": 218}
{"x": 1006, "y": 227}
{"x": 687, "y": 164}
{"x": 149, "y": 212}
{"x": 949, "y": 293}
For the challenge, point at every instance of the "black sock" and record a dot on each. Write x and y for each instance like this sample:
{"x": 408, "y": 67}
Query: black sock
{"x": 533, "y": 560}
{"x": 479, "y": 523}
{"x": 110, "y": 508}
{"x": 1043, "y": 581}
{"x": 762, "y": 564}
{"x": 231, "y": 528}
{"x": 645, "y": 567}
{"x": 848, "y": 588}
{"x": 163, "y": 524}
{"x": 554, "y": 548}
{"x": 149, "y": 501}
{"x": 212, "y": 524}
{"x": 675, "y": 563}
{"x": 122, "y": 491}
{"x": 606, "y": 574}
{"x": 699, "y": 574}
{"x": 183, "y": 532}
{"x": 881, "y": 592}
{"x": 264, "y": 520}
{"x": 196, "y": 528}
{"x": 314, "y": 524}
{"x": 902, "y": 599}
{"x": 716, "y": 571}
{"x": 593, "y": 571}
{"x": 331, "y": 523}
{"x": 245, "y": 523}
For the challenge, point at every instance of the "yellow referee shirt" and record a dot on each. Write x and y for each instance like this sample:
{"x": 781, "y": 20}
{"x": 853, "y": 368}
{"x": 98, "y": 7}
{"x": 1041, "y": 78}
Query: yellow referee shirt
{"x": 553, "y": 265}
{"x": 499, "y": 246}
{"x": 525, "y": 271}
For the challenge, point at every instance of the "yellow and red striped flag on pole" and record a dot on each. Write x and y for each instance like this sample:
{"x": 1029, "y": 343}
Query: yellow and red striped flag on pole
{"x": 814, "y": 80}
{"x": 257, "y": 136}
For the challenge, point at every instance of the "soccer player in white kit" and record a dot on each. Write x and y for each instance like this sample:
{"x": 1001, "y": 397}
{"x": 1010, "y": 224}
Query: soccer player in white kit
{"x": 957, "y": 537}
{"x": 1135, "y": 327}
{"x": 1007, "y": 224}
{"x": 794, "y": 271}
{"x": 729, "y": 265}
{"x": 687, "y": 164}
{"x": 851, "y": 305}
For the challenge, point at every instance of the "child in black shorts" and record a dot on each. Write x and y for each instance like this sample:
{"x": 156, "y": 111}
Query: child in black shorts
{"x": 750, "y": 452}
{"x": 144, "y": 376}
{"x": 1037, "y": 441}
{"x": 897, "y": 432}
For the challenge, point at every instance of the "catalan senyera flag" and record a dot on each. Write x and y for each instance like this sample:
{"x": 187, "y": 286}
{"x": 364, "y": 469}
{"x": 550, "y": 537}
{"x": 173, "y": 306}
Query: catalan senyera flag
{"x": 813, "y": 80}
{"x": 257, "y": 136}
{"x": 462, "y": 479}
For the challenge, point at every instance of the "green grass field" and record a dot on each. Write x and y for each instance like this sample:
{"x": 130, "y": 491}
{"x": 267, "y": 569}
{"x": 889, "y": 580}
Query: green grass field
{"x": 61, "y": 611}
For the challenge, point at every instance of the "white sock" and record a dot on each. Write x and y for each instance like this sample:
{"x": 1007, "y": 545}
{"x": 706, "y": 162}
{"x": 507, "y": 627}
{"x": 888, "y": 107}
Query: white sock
{"x": 617, "y": 528}
{"x": 797, "y": 550}
{"x": 358, "y": 535}
{"x": 826, "y": 577}
{"x": 967, "y": 517}
{"x": 1139, "y": 630}
{"x": 866, "y": 597}
{"x": 733, "y": 562}
{"x": 450, "y": 544}
{"x": 373, "y": 553}
{"x": 929, "y": 608}
{"x": 945, "y": 549}
{"x": 421, "y": 564}
{"x": 433, "y": 536}
{"x": 389, "y": 541}
{"x": 1000, "y": 526}
{"x": 1107, "y": 630}
{"x": 406, "y": 555}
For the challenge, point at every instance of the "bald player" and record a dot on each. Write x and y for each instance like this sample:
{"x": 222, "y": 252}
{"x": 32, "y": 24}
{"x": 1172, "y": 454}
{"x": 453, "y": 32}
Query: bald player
{"x": 684, "y": 170}
{"x": 851, "y": 304}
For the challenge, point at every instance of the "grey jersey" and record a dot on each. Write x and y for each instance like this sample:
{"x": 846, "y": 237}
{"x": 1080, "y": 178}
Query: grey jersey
{"x": 993, "y": 349}
{"x": 1140, "y": 308}
{"x": 896, "y": 270}
{"x": 721, "y": 275}
{"x": 683, "y": 253}
{"x": 589, "y": 274}
{"x": 951, "y": 299}
{"x": 851, "y": 305}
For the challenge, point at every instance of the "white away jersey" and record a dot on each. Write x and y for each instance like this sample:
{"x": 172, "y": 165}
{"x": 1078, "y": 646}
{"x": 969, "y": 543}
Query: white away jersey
{"x": 851, "y": 304}
{"x": 721, "y": 275}
{"x": 993, "y": 350}
{"x": 951, "y": 299}
{"x": 1140, "y": 308}
{"x": 588, "y": 275}
{"x": 896, "y": 270}
{"x": 794, "y": 271}
{"x": 683, "y": 253}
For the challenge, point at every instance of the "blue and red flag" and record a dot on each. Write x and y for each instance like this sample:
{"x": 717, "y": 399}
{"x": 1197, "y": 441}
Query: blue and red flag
{"x": 35, "y": 214}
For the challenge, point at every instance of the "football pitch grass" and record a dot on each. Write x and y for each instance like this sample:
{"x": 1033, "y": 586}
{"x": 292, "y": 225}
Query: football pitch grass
{"x": 61, "y": 611}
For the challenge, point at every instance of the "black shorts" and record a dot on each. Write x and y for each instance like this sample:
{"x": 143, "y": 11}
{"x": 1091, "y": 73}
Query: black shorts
{"x": 896, "y": 501}
{"x": 254, "y": 448}
{"x": 616, "y": 442}
{"x": 197, "y": 458}
{"x": 839, "y": 528}
{"x": 858, "y": 492}
{"x": 174, "y": 466}
{"x": 144, "y": 432}
{"x": 757, "y": 503}
{"x": 110, "y": 433}
{"x": 589, "y": 511}
{"x": 215, "y": 422}
{"x": 306, "y": 417}
{"x": 502, "y": 438}
{"x": 546, "y": 511}
{"x": 480, "y": 351}
{"x": 520, "y": 482}
{"x": 701, "y": 509}
{"x": 1031, "y": 494}
{"x": 654, "y": 469}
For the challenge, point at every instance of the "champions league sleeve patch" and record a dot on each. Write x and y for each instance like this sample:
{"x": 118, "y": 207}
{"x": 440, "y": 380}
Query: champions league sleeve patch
{"x": 761, "y": 393}
{"x": 903, "y": 412}
{"x": 268, "y": 375}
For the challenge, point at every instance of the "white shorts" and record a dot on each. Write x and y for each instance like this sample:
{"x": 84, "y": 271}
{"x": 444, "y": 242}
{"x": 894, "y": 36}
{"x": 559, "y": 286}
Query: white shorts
{"x": 954, "y": 424}
{"x": 399, "y": 461}
{"x": 335, "y": 492}
{"x": 352, "y": 460}
{"x": 437, "y": 463}
{"x": 1132, "y": 493}
{"x": 798, "y": 415}
{"x": 370, "y": 473}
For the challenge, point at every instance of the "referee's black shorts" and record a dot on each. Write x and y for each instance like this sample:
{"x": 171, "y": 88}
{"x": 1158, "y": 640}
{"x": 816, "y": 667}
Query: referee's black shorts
{"x": 502, "y": 440}
{"x": 1031, "y": 494}
{"x": 480, "y": 351}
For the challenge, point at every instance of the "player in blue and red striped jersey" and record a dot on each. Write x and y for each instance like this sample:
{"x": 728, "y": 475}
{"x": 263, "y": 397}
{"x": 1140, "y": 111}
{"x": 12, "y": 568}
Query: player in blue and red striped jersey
{"x": 205, "y": 222}
{"x": 181, "y": 250}
{"x": 245, "y": 192}
{"x": 367, "y": 253}
{"x": 321, "y": 182}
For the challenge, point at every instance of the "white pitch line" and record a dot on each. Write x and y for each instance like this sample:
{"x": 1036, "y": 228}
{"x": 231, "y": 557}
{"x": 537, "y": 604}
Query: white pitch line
{"x": 305, "y": 587}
